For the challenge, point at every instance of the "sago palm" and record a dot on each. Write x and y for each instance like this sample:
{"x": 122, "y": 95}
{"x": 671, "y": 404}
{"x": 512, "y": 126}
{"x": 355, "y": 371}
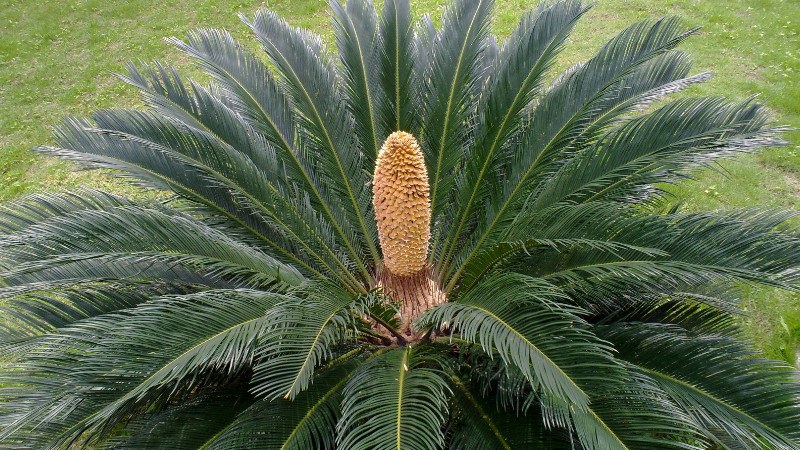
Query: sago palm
{"x": 422, "y": 239}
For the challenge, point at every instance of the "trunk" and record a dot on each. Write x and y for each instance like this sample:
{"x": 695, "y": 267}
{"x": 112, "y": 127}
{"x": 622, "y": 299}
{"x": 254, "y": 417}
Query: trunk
{"x": 416, "y": 293}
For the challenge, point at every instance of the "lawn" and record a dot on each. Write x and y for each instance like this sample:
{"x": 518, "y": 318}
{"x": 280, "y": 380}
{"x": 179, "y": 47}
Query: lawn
{"x": 56, "y": 59}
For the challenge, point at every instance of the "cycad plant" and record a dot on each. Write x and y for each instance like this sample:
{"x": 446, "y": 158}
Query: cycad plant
{"x": 424, "y": 239}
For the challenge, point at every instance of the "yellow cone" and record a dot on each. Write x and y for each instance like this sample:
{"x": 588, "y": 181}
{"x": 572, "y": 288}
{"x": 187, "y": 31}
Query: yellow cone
{"x": 402, "y": 204}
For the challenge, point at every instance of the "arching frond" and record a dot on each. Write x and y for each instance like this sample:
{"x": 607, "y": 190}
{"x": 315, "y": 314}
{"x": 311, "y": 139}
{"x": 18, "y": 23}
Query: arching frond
{"x": 481, "y": 425}
{"x": 144, "y": 232}
{"x": 399, "y": 60}
{"x": 750, "y": 245}
{"x": 626, "y": 71}
{"x": 394, "y": 401}
{"x": 299, "y": 338}
{"x": 205, "y": 109}
{"x": 310, "y": 79}
{"x": 107, "y": 368}
{"x": 735, "y": 398}
{"x": 186, "y": 425}
{"x": 522, "y": 64}
{"x": 658, "y": 147}
{"x": 449, "y": 78}
{"x": 357, "y": 39}
{"x": 521, "y": 320}
{"x": 253, "y": 93}
{"x": 306, "y": 422}
{"x": 38, "y": 307}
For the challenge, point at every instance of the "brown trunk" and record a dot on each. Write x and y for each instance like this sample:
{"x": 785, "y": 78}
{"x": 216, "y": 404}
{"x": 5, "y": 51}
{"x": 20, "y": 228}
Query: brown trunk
{"x": 416, "y": 293}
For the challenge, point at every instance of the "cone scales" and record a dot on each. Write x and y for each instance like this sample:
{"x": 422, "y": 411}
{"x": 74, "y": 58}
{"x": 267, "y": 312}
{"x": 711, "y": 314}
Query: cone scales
{"x": 402, "y": 204}
{"x": 403, "y": 212}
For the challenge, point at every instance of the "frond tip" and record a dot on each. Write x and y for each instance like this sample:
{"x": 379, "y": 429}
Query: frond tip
{"x": 402, "y": 204}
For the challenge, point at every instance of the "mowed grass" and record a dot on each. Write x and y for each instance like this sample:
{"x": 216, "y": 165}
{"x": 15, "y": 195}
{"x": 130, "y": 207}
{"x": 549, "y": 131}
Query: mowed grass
{"x": 56, "y": 59}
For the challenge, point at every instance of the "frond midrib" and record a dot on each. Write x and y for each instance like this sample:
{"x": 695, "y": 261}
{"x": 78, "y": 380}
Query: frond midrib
{"x": 708, "y": 395}
{"x": 233, "y": 185}
{"x": 290, "y": 150}
{"x": 400, "y": 387}
{"x": 531, "y": 344}
{"x": 448, "y": 109}
{"x": 486, "y": 418}
{"x": 345, "y": 178}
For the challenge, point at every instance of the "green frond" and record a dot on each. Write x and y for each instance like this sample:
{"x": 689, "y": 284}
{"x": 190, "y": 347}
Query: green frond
{"x": 248, "y": 86}
{"x": 735, "y": 398}
{"x": 205, "y": 109}
{"x": 633, "y": 413}
{"x": 489, "y": 259}
{"x": 299, "y": 337}
{"x": 185, "y": 425}
{"x": 396, "y": 400}
{"x": 400, "y": 59}
{"x": 108, "y": 368}
{"x": 252, "y": 91}
{"x": 19, "y": 214}
{"x": 449, "y": 78}
{"x": 626, "y": 72}
{"x": 357, "y": 40}
{"x": 144, "y": 232}
{"x": 706, "y": 310}
{"x": 308, "y": 421}
{"x": 660, "y": 147}
{"x": 522, "y": 65}
{"x": 522, "y": 320}
{"x": 636, "y": 415}
{"x": 35, "y": 308}
{"x": 478, "y": 424}
{"x": 309, "y": 77}
{"x": 755, "y": 246}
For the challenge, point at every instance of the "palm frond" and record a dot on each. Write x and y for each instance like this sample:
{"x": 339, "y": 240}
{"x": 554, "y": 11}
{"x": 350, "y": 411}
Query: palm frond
{"x": 35, "y": 308}
{"x": 300, "y": 336}
{"x": 253, "y": 92}
{"x": 521, "y": 320}
{"x": 186, "y": 425}
{"x": 636, "y": 415}
{"x": 659, "y": 147}
{"x": 706, "y": 248}
{"x": 105, "y": 369}
{"x": 306, "y": 422}
{"x": 248, "y": 86}
{"x": 146, "y": 232}
{"x": 16, "y": 215}
{"x": 394, "y": 401}
{"x": 628, "y": 71}
{"x": 357, "y": 40}
{"x": 616, "y": 417}
{"x": 522, "y": 63}
{"x": 735, "y": 397}
{"x": 455, "y": 52}
{"x": 310, "y": 79}
{"x": 481, "y": 425}
{"x": 165, "y": 170}
{"x": 205, "y": 109}
{"x": 399, "y": 59}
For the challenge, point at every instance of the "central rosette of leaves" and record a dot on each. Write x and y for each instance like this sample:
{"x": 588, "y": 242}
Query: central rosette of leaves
{"x": 403, "y": 213}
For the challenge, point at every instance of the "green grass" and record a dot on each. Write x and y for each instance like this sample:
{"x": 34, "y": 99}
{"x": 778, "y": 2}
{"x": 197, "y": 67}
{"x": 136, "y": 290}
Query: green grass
{"x": 56, "y": 59}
